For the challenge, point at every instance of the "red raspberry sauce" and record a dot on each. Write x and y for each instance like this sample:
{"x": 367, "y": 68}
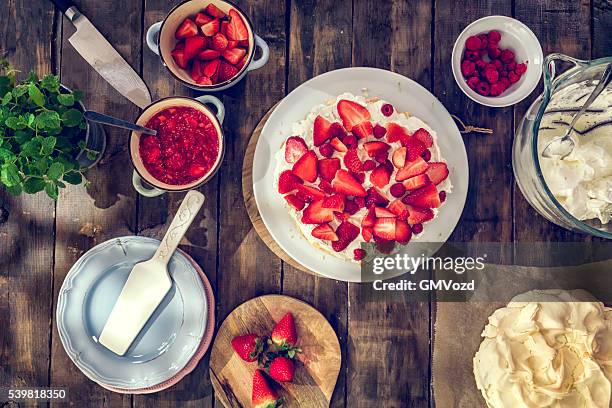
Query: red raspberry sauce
{"x": 185, "y": 148}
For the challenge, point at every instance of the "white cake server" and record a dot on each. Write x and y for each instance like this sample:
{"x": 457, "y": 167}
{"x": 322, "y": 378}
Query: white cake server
{"x": 148, "y": 283}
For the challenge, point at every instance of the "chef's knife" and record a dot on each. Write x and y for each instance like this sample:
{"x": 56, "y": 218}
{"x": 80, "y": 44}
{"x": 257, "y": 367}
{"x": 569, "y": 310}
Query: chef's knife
{"x": 101, "y": 55}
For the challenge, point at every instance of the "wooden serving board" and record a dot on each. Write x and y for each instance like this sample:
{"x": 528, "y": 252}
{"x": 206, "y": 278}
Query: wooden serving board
{"x": 251, "y": 205}
{"x": 317, "y": 367}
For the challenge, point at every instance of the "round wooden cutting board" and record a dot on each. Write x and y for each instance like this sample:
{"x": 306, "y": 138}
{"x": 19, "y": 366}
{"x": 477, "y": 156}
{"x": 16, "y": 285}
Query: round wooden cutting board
{"x": 317, "y": 367}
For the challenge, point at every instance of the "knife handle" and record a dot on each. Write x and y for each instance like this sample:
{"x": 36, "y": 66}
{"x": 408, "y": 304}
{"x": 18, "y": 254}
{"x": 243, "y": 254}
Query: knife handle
{"x": 63, "y": 5}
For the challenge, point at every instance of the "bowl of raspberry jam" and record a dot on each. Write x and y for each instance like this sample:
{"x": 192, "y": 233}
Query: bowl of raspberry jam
{"x": 187, "y": 150}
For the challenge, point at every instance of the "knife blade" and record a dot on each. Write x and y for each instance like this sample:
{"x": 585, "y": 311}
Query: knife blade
{"x": 101, "y": 55}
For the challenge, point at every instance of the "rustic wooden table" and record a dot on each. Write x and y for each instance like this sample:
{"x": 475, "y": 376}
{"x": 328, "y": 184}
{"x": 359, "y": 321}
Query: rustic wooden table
{"x": 386, "y": 348}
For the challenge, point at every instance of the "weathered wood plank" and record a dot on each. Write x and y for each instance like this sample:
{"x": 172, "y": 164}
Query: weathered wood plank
{"x": 106, "y": 209}
{"x": 320, "y": 41}
{"x": 602, "y": 21}
{"x": 27, "y": 235}
{"x": 388, "y": 344}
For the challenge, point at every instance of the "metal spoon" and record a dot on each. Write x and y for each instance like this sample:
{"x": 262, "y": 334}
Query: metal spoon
{"x": 562, "y": 146}
{"x": 112, "y": 121}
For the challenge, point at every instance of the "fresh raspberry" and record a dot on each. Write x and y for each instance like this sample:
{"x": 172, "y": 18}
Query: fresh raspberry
{"x": 360, "y": 201}
{"x": 467, "y": 68}
{"x": 397, "y": 190}
{"x": 381, "y": 157}
{"x": 481, "y": 64}
{"x": 483, "y": 88}
{"x": 350, "y": 141}
{"x": 483, "y": 52}
{"x": 494, "y": 37}
{"x": 369, "y": 165}
{"x": 426, "y": 155}
{"x": 359, "y": 254}
{"x": 521, "y": 68}
{"x": 494, "y": 51}
{"x": 387, "y": 109}
{"x": 379, "y": 131}
{"x": 513, "y": 77}
{"x": 442, "y": 196}
{"x": 484, "y": 41}
{"x": 497, "y": 89}
{"x": 406, "y": 199}
{"x": 498, "y": 64}
{"x": 492, "y": 76}
{"x": 326, "y": 150}
{"x": 490, "y": 66}
{"x": 507, "y": 56}
{"x": 505, "y": 81}
{"x": 511, "y": 66}
{"x": 472, "y": 55}
{"x": 417, "y": 228}
{"x": 351, "y": 207}
{"x": 472, "y": 43}
{"x": 473, "y": 82}
{"x": 503, "y": 74}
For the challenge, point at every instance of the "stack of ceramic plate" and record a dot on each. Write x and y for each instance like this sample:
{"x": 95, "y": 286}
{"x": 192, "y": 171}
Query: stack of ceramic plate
{"x": 169, "y": 346}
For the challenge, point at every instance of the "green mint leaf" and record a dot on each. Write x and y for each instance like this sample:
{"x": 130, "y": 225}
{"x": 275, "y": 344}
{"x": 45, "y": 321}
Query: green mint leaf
{"x": 59, "y": 184}
{"x": 7, "y": 155}
{"x": 20, "y": 90}
{"x": 52, "y": 190}
{"x": 91, "y": 155}
{"x": 15, "y": 123}
{"x": 48, "y": 120}
{"x": 9, "y": 174}
{"x": 78, "y": 95}
{"x": 66, "y": 99}
{"x": 32, "y": 77}
{"x": 22, "y": 136}
{"x": 15, "y": 190}
{"x": 5, "y": 84}
{"x": 50, "y": 83}
{"x": 48, "y": 144}
{"x": 8, "y": 97}
{"x": 72, "y": 117}
{"x": 55, "y": 171}
{"x": 73, "y": 177}
{"x": 36, "y": 95}
{"x": 31, "y": 148}
{"x": 33, "y": 185}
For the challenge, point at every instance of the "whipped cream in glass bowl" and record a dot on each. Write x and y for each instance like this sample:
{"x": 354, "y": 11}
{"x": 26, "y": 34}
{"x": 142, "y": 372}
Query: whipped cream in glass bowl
{"x": 575, "y": 192}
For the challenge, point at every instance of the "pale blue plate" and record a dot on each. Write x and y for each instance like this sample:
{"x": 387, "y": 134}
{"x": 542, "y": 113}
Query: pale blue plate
{"x": 167, "y": 342}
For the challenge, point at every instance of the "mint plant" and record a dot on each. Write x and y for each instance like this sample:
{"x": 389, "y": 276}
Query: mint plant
{"x": 42, "y": 130}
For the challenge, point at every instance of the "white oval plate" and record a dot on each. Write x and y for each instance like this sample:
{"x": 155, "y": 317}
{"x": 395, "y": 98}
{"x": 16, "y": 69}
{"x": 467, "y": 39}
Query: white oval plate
{"x": 407, "y": 96}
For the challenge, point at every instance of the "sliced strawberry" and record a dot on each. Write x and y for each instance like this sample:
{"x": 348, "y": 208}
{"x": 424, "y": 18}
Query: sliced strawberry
{"x": 396, "y": 133}
{"x": 415, "y": 148}
{"x": 295, "y": 201}
{"x": 214, "y": 11}
{"x": 398, "y": 208}
{"x": 244, "y": 43}
{"x": 308, "y": 193}
{"x": 370, "y": 218}
{"x": 196, "y": 70}
{"x": 341, "y": 216}
{"x": 352, "y": 162}
{"x": 193, "y": 46}
{"x": 383, "y": 213}
{"x": 403, "y": 233}
{"x": 218, "y": 42}
{"x": 367, "y": 233}
{"x": 211, "y": 28}
{"x": 399, "y": 157}
{"x": 287, "y": 182}
{"x": 208, "y": 55}
{"x": 352, "y": 113}
{"x": 325, "y": 232}
{"x": 372, "y": 148}
{"x": 328, "y": 168}
{"x": 363, "y": 130}
{"x": 210, "y": 68}
{"x": 380, "y": 176}
{"x": 375, "y": 198}
{"x": 419, "y": 215}
{"x": 424, "y": 136}
{"x": 326, "y": 186}
{"x": 346, "y": 184}
{"x": 187, "y": 29}
{"x": 335, "y": 202}
{"x": 338, "y": 145}
{"x": 295, "y": 147}
{"x": 306, "y": 167}
{"x": 179, "y": 57}
{"x": 204, "y": 80}
{"x": 385, "y": 228}
{"x": 227, "y": 71}
{"x": 347, "y": 233}
{"x": 234, "y": 55}
{"x": 321, "y": 132}
{"x": 411, "y": 169}
{"x": 237, "y": 29}
{"x": 316, "y": 214}
{"x": 231, "y": 44}
{"x": 425, "y": 197}
{"x": 241, "y": 63}
{"x": 202, "y": 19}
{"x": 416, "y": 182}
{"x": 437, "y": 172}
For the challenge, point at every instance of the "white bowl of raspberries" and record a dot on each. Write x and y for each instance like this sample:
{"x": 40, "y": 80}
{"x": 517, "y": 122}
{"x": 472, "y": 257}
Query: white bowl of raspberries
{"x": 497, "y": 61}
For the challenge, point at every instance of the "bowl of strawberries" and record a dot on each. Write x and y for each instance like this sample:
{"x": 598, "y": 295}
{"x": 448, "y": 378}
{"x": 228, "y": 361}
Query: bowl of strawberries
{"x": 497, "y": 61}
{"x": 208, "y": 45}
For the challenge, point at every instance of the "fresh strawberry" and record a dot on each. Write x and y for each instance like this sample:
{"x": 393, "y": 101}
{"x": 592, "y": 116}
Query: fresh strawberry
{"x": 385, "y": 228}
{"x": 425, "y": 197}
{"x": 336, "y": 130}
{"x": 241, "y": 63}
{"x": 309, "y": 193}
{"x": 179, "y": 57}
{"x": 352, "y": 113}
{"x": 306, "y": 167}
{"x": 226, "y": 71}
{"x": 295, "y": 147}
{"x": 351, "y": 207}
{"x": 346, "y": 184}
{"x": 352, "y": 162}
{"x": 399, "y": 209}
{"x": 335, "y": 202}
{"x": 294, "y": 201}
{"x": 202, "y": 19}
{"x": 287, "y": 182}
{"x": 196, "y": 170}
{"x": 282, "y": 369}
{"x": 416, "y": 182}
{"x": 231, "y": 44}
{"x": 383, "y": 213}
{"x": 415, "y": 148}
{"x": 196, "y": 70}
{"x": 237, "y": 29}
{"x": 193, "y": 46}
{"x": 373, "y": 148}
{"x": 367, "y": 233}
{"x": 204, "y": 80}
{"x": 341, "y": 216}
{"x": 419, "y": 215}
{"x": 316, "y": 214}
{"x": 374, "y": 197}
{"x": 263, "y": 395}
{"x": 380, "y": 176}
{"x": 396, "y": 133}
{"x": 370, "y": 218}
{"x": 347, "y": 233}
{"x": 284, "y": 333}
{"x": 403, "y": 233}
{"x": 214, "y": 11}
{"x": 248, "y": 347}
{"x": 234, "y": 55}
{"x": 325, "y": 232}
{"x": 411, "y": 169}
{"x": 399, "y": 157}
{"x": 326, "y": 186}
{"x": 187, "y": 29}
{"x": 218, "y": 42}
{"x": 338, "y": 145}
{"x": 437, "y": 172}
{"x": 363, "y": 130}
{"x": 328, "y": 168}
{"x": 208, "y": 55}
{"x": 210, "y": 68}
{"x": 320, "y": 132}
{"x": 424, "y": 136}
{"x": 211, "y": 28}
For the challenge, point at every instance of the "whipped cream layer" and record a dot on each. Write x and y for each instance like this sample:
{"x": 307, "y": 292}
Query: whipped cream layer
{"x": 304, "y": 128}
{"x": 556, "y": 352}
{"x": 582, "y": 182}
